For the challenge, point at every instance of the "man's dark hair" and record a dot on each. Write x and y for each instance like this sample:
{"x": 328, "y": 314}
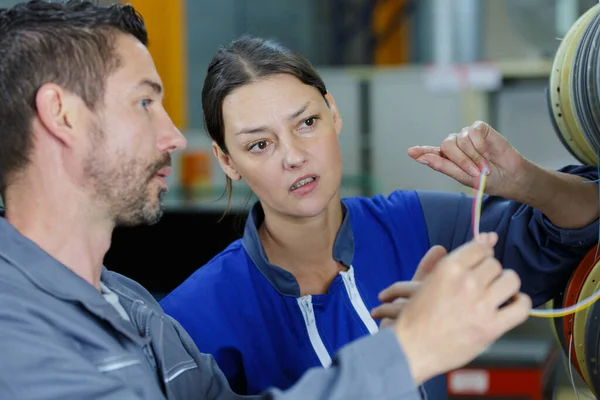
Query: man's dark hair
{"x": 70, "y": 43}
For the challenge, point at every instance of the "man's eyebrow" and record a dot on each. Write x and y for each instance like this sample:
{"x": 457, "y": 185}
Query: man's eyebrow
{"x": 155, "y": 86}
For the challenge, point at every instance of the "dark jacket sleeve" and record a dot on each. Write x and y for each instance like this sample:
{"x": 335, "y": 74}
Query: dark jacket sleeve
{"x": 543, "y": 254}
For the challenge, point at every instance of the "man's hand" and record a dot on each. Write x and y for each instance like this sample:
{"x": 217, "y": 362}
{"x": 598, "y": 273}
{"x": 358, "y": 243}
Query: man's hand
{"x": 459, "y": 310}
{"x": 395, "y": 296}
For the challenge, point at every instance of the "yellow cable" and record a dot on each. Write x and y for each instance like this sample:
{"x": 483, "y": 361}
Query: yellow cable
{"x": 540, "y": 313}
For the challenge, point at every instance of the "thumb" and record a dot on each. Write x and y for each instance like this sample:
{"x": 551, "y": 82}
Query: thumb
{"x": 429, "y": 261}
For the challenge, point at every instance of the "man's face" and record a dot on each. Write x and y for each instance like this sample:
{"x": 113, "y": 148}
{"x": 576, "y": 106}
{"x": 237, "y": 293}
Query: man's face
{"x": 131, "y": 139}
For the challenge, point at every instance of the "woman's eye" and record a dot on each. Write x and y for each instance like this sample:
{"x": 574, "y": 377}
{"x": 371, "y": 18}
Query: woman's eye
{"x": 310, "y": 122}
{"x": 258, "y": 146}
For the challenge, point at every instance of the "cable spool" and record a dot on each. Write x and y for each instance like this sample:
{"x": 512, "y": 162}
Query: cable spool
{"x": 572, "y": 296}
{"x": 592, "y": 348}
{"x": 580, "y": 319}
{"x": 557, "y": 323}
{"x": 573, "y": 99}
{"x": 574, "y": 88}
{"x": 583, "y": 327}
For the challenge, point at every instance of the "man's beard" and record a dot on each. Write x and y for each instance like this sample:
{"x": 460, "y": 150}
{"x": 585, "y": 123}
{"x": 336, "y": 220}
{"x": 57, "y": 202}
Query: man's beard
{"x": 126, "y": 189}
{"x": 140, "y": 202}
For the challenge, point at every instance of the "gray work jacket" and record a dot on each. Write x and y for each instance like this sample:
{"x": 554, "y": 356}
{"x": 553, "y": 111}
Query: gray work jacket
{"x": 61, "y": 340}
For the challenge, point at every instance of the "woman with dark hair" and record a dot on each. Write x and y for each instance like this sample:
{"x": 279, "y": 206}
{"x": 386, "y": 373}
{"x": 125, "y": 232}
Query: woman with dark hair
{"x": 306, "y": 276}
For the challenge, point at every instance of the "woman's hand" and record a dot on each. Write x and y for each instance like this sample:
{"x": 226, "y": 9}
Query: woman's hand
{"x": 463, "y": 155}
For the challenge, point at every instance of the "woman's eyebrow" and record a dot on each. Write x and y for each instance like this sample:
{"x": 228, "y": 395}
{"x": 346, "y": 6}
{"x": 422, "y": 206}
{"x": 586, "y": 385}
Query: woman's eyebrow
{"x": 264, "y": 128}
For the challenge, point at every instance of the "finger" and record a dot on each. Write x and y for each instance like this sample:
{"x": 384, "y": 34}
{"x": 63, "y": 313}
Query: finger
{"x": 429, "y": 261}
{"x": 446, "y": 167}
{"x": 464, "y": 143}
{"x": 513, "y": 314}
{"x": 489, "y": 142}
{"x": 453, "y": 152}
{"x": 389, "y": 310}
{"x": 489, "y": 238}
{"x": 403, "y": 289}
{"x": 469, "y": 255}
{"x": 417, "y": 151}
{"x": 486, "y": 273}
{"x": 503, "y": 289}
{"x": 386, "y": 323}
{"x": 479, "y": 133}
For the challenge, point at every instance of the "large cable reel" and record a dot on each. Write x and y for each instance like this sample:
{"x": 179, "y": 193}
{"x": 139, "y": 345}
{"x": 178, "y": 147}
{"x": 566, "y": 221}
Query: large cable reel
{"x": 574, "y": 88}
{"x": 573, "y": 97}
{"x": 579, "y": 334}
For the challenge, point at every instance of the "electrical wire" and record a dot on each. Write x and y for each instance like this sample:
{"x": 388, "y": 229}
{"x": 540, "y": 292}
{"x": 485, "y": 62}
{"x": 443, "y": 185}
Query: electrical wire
{"x": 476, "y": 218}
{"x": 561, "y": 312}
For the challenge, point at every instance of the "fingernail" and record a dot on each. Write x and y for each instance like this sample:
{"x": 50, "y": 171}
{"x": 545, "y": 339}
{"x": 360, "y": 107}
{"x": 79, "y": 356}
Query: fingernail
{"x": 474, "y": 171}
{"x": 423, "y": 161}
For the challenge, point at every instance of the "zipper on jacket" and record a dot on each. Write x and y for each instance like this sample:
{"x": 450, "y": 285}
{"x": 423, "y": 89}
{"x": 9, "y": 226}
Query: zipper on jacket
{"x": 357, "y": 301}
{"x": 308, "y": 313}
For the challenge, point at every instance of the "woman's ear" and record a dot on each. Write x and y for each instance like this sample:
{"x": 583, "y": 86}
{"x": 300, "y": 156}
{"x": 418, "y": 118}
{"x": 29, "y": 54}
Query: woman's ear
{"x": 337, "y": 118}
{"x": 226, "y": 163}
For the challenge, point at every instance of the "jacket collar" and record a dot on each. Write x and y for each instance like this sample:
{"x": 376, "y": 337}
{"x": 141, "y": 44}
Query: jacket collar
{"x": 283, "y": 281}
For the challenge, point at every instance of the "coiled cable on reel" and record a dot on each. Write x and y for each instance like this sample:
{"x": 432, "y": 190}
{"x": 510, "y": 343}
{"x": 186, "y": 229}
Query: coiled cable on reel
{"x": 574, "y": 88}
{"x": 573, "y": 99}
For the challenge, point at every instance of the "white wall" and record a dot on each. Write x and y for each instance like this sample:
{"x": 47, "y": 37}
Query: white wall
{"x": 404, "y": 114}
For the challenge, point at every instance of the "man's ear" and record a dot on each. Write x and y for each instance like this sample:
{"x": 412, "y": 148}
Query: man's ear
{"x": 57, "y": 111}
{"x": 337, "y": 117}
{"x": 226, "y": 163}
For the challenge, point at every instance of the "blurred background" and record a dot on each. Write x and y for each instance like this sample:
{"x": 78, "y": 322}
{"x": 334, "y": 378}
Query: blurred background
{"x": 403, "y": 73}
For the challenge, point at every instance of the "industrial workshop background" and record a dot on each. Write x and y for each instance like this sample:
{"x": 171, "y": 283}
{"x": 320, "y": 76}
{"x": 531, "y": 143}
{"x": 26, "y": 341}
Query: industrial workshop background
{"x": 403, "y": 73}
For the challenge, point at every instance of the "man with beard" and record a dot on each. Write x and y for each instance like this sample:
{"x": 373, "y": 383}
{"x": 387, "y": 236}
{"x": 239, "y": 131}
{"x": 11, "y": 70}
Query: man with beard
{"x": 85, "y": 146}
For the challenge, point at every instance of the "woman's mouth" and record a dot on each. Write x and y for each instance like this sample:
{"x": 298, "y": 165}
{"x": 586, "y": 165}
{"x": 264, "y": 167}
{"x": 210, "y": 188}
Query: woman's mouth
{"x": 304, "y": 185}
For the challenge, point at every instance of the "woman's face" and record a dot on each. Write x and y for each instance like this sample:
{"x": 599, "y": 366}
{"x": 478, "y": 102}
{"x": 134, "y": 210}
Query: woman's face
{"x": 282, "y": 139}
